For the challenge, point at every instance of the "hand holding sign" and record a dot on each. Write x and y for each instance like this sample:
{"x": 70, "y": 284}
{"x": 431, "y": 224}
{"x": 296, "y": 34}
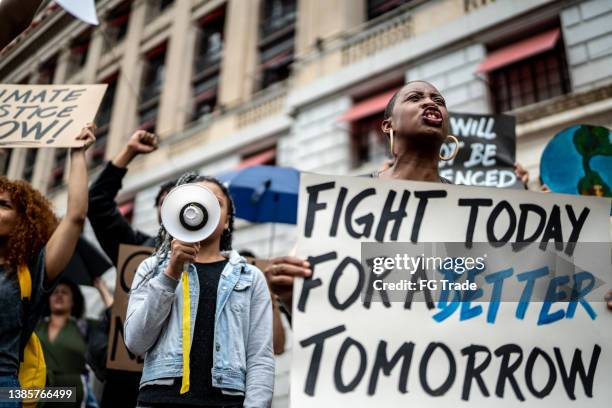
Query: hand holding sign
{"x": 521, "y": 173}
{"x": 87, "y": 137}
{"x": 281, "y": 273}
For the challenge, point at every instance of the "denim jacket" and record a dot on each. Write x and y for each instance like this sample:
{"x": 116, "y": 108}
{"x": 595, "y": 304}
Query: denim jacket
{"x": 243, "y": 360}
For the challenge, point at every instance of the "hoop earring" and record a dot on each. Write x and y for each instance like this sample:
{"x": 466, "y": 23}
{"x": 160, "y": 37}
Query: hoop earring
{"x": 391, "y": 143}
{"x": 454, "y": 153}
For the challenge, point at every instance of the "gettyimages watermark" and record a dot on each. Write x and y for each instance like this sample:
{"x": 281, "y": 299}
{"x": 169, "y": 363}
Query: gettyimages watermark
{"x": 483, "y": 272}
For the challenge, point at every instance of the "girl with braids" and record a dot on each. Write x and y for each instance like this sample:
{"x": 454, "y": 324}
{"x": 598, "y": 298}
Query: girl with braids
{"x": 34, "y": 245}
{"x": 228, "y": 361}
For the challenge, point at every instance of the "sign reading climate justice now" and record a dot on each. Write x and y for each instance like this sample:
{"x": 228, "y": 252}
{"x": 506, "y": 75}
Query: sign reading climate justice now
{"x": 119, "y": 357}
{"x": 357, "y": 353}
{"x": 46, "y": 115}
{"x": 487, "y": 151}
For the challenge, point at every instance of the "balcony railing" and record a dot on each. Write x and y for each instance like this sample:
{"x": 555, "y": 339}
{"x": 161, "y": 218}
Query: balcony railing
{"x": 471, "y": 5}
{"x": 264, "y": 104}
{"x": 378, "y": 36}
{"x": 208, "y": 60}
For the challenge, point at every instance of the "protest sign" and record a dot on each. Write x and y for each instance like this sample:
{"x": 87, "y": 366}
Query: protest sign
{"x": 586, "y": 154}
{"x": 119, "y": 357}
{"x": 84, "y": 10}
{"x": 46, "y": 115}
{"x": 487, "y": 151}
{"x": 468, "y": 348}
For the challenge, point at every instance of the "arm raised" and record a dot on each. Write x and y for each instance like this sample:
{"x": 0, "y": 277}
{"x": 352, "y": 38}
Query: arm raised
{"x": 61, "y": 245}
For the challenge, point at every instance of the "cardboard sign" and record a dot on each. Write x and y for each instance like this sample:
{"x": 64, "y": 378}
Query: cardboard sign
{"x": 487, "y": 151}
{"x": 46, "y": 115}
{"x": 119, "y": 357}
{"x": 497, "y": 343}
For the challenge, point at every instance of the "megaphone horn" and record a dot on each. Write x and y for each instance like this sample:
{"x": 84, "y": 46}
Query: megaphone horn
{"x": 190, "y": 213}
{"x": 193, "y": 216}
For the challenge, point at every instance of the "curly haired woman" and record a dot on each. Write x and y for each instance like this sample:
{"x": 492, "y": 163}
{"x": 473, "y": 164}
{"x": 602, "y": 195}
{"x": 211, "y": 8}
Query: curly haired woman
{"x": 31, "y": 236}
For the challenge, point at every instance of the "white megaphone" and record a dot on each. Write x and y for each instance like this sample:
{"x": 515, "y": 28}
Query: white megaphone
{"x": 190, "y": 213}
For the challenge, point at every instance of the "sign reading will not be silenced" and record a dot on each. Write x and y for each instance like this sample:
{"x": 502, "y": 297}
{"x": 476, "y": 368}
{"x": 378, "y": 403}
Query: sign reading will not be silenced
{"x": 46, "y": 115}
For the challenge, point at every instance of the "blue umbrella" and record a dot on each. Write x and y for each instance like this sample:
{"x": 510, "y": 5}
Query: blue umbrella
{"x": 264, "y": 193}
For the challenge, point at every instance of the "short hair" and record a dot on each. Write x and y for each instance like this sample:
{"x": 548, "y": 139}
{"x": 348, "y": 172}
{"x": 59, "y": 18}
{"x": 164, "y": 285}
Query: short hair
{"x": 391, "y": 103}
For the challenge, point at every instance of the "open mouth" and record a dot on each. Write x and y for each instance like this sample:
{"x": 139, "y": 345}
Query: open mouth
{"x": 432, "y": 116}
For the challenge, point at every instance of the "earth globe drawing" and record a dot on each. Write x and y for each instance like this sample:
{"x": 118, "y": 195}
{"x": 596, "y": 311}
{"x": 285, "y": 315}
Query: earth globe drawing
{"x": 578, "y": 160}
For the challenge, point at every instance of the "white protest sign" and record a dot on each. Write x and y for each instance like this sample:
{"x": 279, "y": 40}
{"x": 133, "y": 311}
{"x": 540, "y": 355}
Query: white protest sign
{"x": 357, "y": 353}
{"x": 46, "y": 115}
{"x": 84, "y": 10}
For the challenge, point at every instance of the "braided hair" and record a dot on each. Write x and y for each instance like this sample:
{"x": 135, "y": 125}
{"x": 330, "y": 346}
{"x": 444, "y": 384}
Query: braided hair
{"x": 163, "y": 240}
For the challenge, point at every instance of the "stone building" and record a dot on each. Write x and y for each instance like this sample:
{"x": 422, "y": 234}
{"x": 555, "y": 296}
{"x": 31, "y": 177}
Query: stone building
{"x": 303, "y": 83}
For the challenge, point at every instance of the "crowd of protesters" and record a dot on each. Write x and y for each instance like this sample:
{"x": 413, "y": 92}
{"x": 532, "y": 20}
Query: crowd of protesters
{"x": 208, "y": 331}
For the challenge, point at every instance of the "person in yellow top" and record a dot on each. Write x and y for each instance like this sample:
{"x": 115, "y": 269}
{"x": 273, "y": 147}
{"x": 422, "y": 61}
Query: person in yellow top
{"x": 31, "y": 236}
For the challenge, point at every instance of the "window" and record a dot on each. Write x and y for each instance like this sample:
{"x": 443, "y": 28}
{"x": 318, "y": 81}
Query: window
{"x": 157, "y": 8}
{"x": 47, "y": 71}
{"x": 377, "y": 8}
{"x": 538, "y": 77}
{"x": 30, "y": 162}
{"x": 278, "y": 15}
{"x": 79, "y": 48}
{"x": 59, "y": 166}
{"x": 153, "y": 79}
{"x": 117, "y": 20}
{"x": 207, "y": 63}
{"x": 163, "y": 4}
{"x": 369, "y": 143}
{"x": 260, "y": 157}
{"x": 103, "y": 120}
{"x": 277, "y": 38}
{"x": 5, "y": 159}
{"x": 205, "y": 96}
{"x": 103, "y": 117}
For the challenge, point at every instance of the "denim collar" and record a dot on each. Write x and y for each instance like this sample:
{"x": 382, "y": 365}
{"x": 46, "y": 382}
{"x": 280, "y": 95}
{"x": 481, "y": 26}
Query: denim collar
{"x": 233, "y": 257}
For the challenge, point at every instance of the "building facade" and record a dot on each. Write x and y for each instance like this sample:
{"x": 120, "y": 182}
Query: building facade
{"x": 231, "y": 83}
